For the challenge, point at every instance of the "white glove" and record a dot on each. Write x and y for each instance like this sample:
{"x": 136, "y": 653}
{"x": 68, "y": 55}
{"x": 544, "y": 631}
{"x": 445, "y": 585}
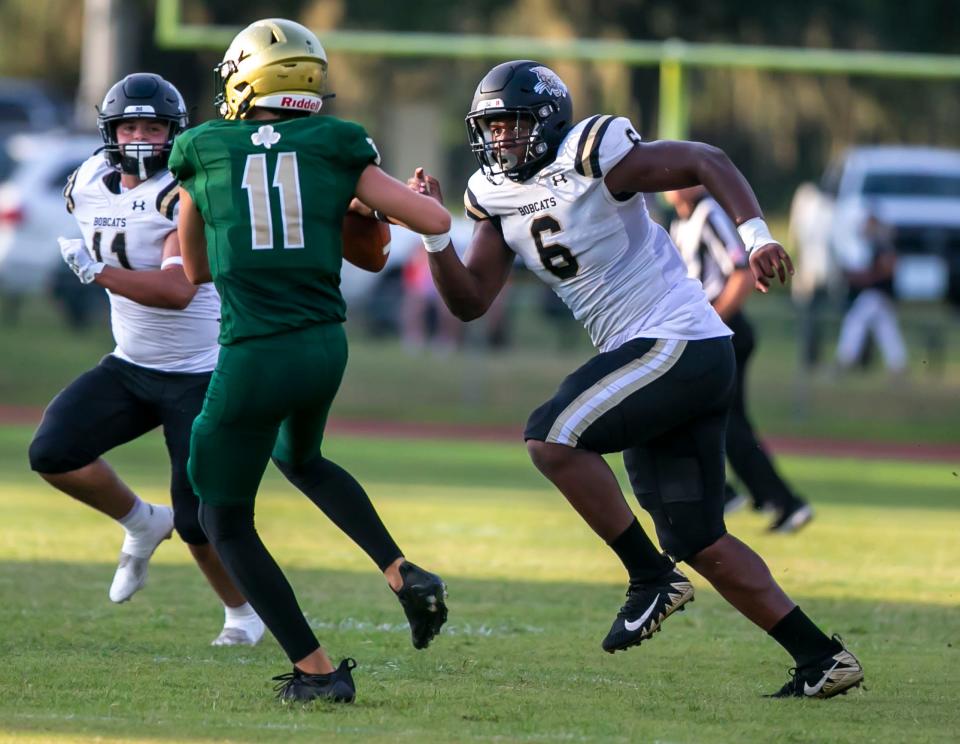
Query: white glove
{"x": 81, "y": 263}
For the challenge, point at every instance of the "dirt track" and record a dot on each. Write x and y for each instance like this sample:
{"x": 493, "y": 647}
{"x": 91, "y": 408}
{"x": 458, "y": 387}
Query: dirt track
{"x": 410, "y": 430}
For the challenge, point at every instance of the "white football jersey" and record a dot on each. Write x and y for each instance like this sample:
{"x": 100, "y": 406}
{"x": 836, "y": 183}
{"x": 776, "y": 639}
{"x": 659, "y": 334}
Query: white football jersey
{"x": 610, "y": 263}
{"x": 127, "y": 230}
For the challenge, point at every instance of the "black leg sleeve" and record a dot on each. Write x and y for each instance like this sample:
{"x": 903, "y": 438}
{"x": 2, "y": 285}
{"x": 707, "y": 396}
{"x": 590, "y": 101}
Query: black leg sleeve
{"x": 346, "y": 504}
{"x": 232, "y": 532}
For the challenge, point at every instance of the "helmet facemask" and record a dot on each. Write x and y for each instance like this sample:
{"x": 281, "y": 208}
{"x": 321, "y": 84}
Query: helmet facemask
{"x": 140, "y": 159}
{"x": 517, "y": 155}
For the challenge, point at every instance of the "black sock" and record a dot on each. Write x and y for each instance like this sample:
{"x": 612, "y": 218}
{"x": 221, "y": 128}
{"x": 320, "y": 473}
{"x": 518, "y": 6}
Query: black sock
{"x": 346, "y": 504}
{"x": 232, "y": 533}
{"x": 803, "y": 640}
{"x": 639, "y": 556}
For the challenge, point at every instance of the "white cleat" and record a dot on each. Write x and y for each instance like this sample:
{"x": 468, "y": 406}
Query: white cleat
{"x": 135, "y": 553}
{"x": 248, "y": 633}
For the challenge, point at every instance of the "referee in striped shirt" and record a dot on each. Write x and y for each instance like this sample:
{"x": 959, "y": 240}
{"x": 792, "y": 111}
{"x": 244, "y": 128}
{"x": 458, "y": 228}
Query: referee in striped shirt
{"x": 714, "y": 254}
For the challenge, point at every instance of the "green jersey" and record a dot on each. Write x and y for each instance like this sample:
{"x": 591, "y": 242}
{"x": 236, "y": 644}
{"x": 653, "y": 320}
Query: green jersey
{"x": 273, "y": 195}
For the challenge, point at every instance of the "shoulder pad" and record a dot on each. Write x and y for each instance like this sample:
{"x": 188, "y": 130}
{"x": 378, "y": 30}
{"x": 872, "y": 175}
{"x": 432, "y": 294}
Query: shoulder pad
{"x": 167, "y": 198}
{"x": 476, "y": 189}
{"x": 88, "y": 171}
{"x": 597, "y": 144}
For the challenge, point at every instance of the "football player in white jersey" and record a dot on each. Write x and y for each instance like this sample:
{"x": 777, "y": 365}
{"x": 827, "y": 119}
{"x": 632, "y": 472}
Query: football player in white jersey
{"x": 125, "y": 201}
{"x": 567, "y": 198}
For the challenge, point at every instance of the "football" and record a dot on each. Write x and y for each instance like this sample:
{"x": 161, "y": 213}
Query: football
{"x": 364, "y": 241}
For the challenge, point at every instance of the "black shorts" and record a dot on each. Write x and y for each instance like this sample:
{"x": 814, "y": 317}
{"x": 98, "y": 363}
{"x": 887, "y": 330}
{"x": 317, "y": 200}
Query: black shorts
{"x": 663, "y": 404}
{"x": 117, "y": 402}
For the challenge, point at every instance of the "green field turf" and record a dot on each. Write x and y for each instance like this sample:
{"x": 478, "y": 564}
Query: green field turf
{"x": 532, "y": 593}
{"x": 384, "y": 381}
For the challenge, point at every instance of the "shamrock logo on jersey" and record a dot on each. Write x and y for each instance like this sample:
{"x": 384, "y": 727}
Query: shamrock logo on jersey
{"x": 265, "y": 136}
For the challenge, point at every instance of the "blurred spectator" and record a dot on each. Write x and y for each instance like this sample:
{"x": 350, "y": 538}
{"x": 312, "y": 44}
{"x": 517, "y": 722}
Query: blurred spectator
{"x": 712, "y": 250}
{"x": 872, "y": 312}
{"x": 425, "y": 319}
{"x": 811, "y": 216}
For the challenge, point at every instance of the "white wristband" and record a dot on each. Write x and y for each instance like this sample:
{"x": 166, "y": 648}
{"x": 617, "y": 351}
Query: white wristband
{"x": 755, "y": 233}
{"x": 171, "y": 261}
{"x": 436, "y": 243}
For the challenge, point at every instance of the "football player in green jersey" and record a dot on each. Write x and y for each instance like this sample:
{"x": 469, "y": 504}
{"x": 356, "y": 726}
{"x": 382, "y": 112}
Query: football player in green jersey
{"x": 264, "y": 193}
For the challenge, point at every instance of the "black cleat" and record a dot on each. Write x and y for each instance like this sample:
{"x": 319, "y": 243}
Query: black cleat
{"x": 647, "y": 606}
{"x": 792, "y": 519}
{"x": 298, "y": 686}
{"x": 832, "y": 675}
{"x": 422, "y": 597}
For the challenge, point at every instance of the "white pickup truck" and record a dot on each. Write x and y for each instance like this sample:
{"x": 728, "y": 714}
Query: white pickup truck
{"x": 914, "y": 190}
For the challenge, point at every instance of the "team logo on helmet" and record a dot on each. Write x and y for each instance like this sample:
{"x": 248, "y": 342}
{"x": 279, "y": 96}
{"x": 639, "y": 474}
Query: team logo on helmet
{"x": 549, "y": 82}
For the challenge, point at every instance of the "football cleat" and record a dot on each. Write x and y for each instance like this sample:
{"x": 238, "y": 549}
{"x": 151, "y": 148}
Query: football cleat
{"x": 298, "y": 686}
{"x": 135, "y": 553}
{"x": 733, "y": 500}
{"x": 647, "y": 606}
{"x": 793, "y": 518}
{"x": 832, "y": 675}
{"x": 422, "y": 597}
{"x": 247, "y": 633}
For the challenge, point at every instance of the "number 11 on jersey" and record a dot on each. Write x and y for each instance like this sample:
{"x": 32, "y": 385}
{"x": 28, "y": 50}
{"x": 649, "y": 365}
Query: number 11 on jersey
{"x": 286, "y": 180}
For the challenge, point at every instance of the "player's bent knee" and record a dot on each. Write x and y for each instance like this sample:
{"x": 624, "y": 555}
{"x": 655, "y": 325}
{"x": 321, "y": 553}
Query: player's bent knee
{"x": 692, "y": 530}
{"x": 187, "y": 524}
{"x": 547, "y": 456}
{"x": 49, "y": 457}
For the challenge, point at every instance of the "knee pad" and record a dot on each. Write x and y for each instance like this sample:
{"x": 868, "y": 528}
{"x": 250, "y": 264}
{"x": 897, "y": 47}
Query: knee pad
{"x": 47, "y": 456}
{"x": 186, "y": 521}
{"x": 692, "y": 529}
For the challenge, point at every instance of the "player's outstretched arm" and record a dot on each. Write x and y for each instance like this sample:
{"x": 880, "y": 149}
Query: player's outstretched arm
{"x": 668, "y": 165}
{"x": 166, "y": 287}
{"x": 385, "y": 193}
{"x": 193, "y": 243}
{"x": 468, "y": 289}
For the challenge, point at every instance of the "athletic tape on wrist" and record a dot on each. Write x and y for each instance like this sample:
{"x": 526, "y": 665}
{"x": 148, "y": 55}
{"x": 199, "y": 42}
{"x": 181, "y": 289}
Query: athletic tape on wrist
{"x": 755, "y": 233}
{"x": 171, "y": 261}
{"x": 436, "y": 243}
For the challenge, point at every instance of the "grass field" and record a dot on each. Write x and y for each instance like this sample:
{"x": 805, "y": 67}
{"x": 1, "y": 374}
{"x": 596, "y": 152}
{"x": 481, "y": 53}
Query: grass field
{"x": 532, "y": 593}
{"x": 387, "y": 382}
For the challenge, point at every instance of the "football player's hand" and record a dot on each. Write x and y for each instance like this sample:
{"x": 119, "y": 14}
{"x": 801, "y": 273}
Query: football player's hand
{"x": 768, "y": 261}
{"x": 360, "y": 208}
{"x": 425, "y": 184}
{"x": 81, "y": 263}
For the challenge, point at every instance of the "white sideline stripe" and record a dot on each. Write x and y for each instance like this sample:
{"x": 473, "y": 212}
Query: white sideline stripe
{"x": 610, "y": 391}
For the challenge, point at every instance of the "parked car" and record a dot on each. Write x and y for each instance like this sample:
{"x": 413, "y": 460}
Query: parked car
{"x": 26, "y": 106}
{"x": 914, "y": 190}
{"x": 32, "y": 211}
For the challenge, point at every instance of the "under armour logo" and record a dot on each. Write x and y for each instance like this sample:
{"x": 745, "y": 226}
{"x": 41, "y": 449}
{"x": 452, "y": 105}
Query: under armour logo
{"x": 265, "y": 136}
{"x": 558, "y": 179}
{"x": 140, "y": 206}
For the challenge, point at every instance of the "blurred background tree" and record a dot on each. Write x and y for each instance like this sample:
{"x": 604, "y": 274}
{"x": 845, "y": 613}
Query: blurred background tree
{"x": 780, "y": 128}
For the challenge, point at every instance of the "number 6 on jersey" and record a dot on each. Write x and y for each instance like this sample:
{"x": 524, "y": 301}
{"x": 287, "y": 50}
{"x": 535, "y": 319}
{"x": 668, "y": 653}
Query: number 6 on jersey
{"x": 287, "y": 182}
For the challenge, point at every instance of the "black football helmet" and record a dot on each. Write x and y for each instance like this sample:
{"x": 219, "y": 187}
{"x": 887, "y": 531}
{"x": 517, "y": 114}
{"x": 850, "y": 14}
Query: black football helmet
{"x": 141, "y": 95}
{"x": 537, "y": 100}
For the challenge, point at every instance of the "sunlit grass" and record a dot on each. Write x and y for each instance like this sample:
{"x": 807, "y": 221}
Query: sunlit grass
{"x": 532, "y": 592}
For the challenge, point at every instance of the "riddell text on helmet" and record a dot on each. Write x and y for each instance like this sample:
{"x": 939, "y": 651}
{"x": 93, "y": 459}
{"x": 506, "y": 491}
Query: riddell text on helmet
{"x": 308, "y": 104}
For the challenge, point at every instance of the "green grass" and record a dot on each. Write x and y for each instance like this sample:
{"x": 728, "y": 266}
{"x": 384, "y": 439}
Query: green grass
{"x": 532, "y": 592}
{"x": 386, "y": 381}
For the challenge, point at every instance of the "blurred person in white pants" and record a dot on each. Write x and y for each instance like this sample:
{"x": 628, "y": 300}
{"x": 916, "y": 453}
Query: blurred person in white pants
{"x": 873, "y": 310}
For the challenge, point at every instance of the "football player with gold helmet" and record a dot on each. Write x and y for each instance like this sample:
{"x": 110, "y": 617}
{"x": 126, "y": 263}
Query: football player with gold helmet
{"x": 264, "y": 192}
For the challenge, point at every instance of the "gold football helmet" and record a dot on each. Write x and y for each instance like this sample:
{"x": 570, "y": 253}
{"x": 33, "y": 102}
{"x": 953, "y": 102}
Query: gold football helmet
{"x": 273, "y": 63}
